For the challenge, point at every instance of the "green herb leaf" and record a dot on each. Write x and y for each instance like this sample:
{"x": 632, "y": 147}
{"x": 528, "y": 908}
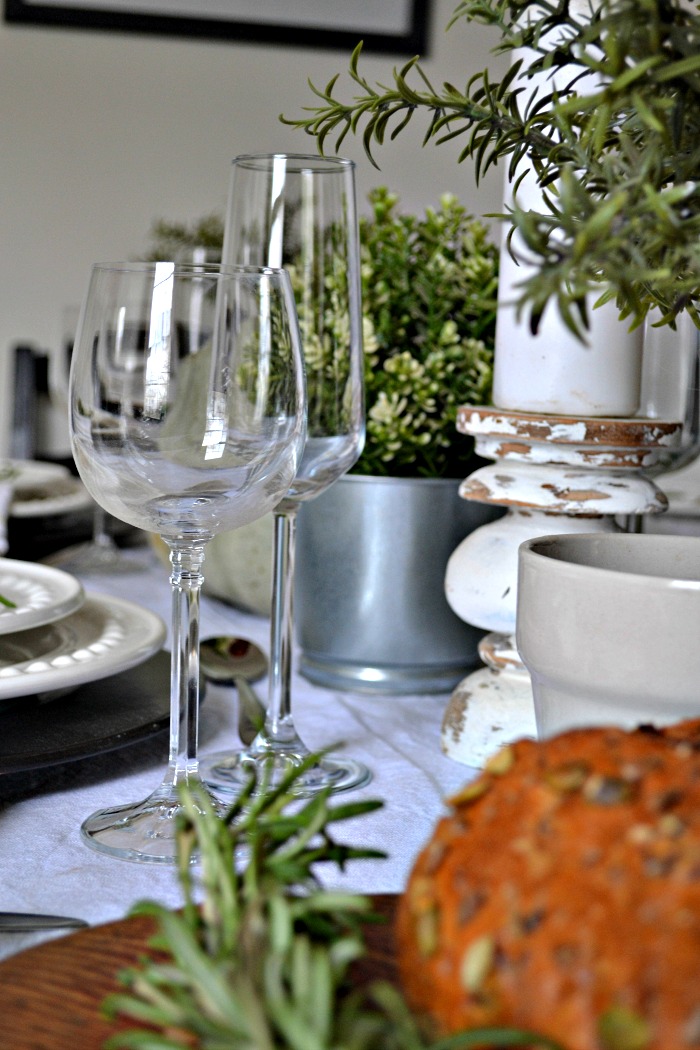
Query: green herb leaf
{"x": 262, "y": 962}
{"x": 632, "y": 136}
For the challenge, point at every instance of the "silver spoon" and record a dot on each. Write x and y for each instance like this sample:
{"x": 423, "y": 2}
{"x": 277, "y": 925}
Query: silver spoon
{"x": 237, "y": 661}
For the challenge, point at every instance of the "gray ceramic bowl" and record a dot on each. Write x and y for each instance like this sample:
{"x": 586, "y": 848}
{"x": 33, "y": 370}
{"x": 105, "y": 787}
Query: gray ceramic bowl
{"x": 609, "y": 628}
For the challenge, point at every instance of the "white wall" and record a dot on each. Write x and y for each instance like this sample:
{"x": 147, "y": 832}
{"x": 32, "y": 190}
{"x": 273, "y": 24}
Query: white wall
{"x": 103, "y": 132}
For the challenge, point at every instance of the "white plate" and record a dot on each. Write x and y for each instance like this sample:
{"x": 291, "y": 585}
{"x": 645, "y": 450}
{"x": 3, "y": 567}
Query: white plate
{"x": 31, "y": 471}
{"x": 62, "y": 496}
{"x": 41, "y": 489}
{"x": 41, "y": 594}
{"x": 103, "y": 637}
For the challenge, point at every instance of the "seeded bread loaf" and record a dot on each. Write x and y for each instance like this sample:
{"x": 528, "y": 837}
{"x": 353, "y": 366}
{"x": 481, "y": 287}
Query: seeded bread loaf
{"x": 562, "y": 894}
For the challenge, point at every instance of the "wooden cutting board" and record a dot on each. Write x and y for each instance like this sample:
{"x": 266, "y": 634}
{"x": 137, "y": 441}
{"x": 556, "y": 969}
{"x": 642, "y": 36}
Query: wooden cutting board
{"x": 50, "y": 996}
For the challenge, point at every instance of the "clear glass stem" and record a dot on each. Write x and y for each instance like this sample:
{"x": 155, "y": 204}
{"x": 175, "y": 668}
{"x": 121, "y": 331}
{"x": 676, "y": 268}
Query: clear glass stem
{"x": 278, "y": 747}
{"x": 100, "y": 536}
{"x": 186, "y": 581}
{"x": 279, "y": 731}
{"x": 147, "y": 830}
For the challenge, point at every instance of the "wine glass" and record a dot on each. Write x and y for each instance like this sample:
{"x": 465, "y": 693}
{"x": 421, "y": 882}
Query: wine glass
{"x": 99, "y": 554}
{"x": 187, "y": 418}
{"x": 299, "y": 212}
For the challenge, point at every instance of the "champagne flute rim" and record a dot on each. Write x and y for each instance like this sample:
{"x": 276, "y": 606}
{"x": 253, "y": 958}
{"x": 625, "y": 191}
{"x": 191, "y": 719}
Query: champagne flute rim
{"x": 296, "y": 162}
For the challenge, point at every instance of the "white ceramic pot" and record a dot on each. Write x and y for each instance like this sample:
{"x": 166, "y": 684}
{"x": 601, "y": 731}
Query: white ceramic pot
{"x": 553, "y": 372}
{"x": 609, "y": 628}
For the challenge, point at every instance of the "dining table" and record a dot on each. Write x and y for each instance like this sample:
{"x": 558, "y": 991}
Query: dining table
{"x": 46, "y": 867}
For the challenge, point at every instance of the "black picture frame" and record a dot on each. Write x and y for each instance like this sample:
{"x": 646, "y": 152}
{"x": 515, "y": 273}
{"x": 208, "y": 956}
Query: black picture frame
{"x": 405, "y": 39}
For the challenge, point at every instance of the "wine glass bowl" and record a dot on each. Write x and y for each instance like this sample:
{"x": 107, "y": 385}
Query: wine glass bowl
{"x": 166, "y": 429}
{"x": 299, "y": 212}
{"x": 187, "y": 419}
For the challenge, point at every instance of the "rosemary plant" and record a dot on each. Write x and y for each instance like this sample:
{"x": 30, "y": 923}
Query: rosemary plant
{"x": 618, "y": 162}
{"x": 262, "y": 961}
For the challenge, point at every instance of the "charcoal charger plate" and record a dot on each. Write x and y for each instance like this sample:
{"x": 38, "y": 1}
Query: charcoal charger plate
{"x": 99, "y": 716}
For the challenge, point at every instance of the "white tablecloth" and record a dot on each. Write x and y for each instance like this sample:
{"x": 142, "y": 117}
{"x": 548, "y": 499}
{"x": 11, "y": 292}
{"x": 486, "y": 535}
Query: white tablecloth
{"x": 45, "y": 867}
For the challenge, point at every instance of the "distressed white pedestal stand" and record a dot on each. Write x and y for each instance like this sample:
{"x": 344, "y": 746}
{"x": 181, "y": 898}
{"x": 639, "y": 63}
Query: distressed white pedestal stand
{"x": 555, "y": 474}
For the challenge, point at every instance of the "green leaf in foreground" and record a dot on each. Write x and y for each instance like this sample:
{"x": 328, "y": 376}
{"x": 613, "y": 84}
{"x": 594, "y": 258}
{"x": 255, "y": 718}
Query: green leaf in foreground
{"x": 260, "y": 955}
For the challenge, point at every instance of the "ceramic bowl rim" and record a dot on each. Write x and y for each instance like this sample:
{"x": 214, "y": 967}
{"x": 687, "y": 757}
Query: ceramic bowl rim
{"x": 528, "y": 551}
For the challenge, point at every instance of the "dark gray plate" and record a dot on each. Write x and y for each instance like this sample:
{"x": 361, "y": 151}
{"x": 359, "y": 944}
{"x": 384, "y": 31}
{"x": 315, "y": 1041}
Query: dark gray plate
{"x": 97, "y": 717}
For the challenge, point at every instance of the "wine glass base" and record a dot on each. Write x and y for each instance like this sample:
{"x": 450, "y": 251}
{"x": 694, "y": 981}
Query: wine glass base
{"x": 227, "y": 773}
{"x": 93, "y": 559}
{"x": 142, "y": 831}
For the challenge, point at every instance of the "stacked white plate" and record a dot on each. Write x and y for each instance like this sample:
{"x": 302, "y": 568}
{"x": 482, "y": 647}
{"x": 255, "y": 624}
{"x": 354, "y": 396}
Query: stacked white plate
{"x": 57, "y": 637}
{"x": 41, "y": 489}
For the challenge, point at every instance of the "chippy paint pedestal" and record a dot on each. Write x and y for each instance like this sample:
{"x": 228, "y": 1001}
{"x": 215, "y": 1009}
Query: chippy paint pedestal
{"x": 554, "y": 474}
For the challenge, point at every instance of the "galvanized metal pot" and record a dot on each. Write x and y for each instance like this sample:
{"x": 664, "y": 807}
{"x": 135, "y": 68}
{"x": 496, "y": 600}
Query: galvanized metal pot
{"x": 370, "y": 609}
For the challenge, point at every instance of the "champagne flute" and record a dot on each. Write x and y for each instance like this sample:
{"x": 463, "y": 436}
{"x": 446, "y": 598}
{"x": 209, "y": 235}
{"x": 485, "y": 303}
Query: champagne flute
{"x": 299, "y": 212}
{"x": 187, "y": 419}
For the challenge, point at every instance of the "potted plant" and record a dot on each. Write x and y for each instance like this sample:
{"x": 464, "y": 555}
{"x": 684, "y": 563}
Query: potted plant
{"x": 429, "y": 285}
{"x": 371, "y": 613}
{"x": 176, "y": 240}
{"x": 616, "y": 159}
{"x": 596, "y": 122}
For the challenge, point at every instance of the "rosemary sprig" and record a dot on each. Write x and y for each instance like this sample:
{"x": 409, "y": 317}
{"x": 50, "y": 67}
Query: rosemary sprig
{"x": 262, "y": 961}
{"x": 618, "y": 161}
